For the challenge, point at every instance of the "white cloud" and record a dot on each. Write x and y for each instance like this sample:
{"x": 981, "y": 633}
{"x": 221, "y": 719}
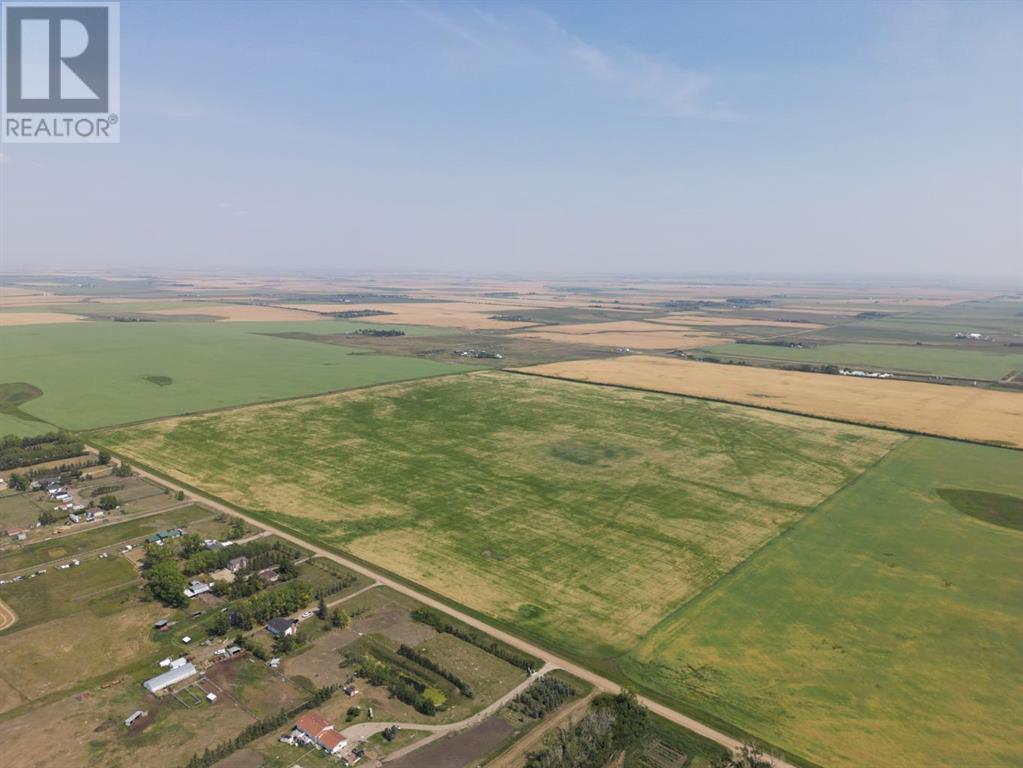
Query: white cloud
{"x": 441, "y": 21}
{"x": 675, "y": 91}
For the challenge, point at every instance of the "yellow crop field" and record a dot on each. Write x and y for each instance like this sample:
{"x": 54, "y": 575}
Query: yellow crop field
{"x": 968, "y": 413}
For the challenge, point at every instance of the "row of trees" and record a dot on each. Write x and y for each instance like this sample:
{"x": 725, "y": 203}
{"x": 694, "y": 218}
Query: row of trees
{"x": 402, "y": 687}
{"x": 342, "y": 583}
{"x": 542, "y": 697}
{"x": 614, "y": 724}
{"x": 23, "y": 451}
{"x": 426, "y": 662}
{"x": 260, "y": 728}
{"x": 441, "y": 624}
{"x": 202, "y": 560}
{"x": 274, "y": 602}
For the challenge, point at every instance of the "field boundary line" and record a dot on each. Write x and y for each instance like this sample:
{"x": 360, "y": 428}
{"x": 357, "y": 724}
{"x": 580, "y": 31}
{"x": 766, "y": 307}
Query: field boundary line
{"x": 808, "y": 519}
{"x": 790, "y": 412}
{"x": 276, "y": 401}
{"x": 506, "y": 633}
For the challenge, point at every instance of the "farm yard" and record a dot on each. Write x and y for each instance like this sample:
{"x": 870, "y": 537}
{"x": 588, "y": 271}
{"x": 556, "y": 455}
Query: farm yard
{"x": 982, "y": 415}
{"x": 491, "y": 488}
{"x": 893, "y": 619}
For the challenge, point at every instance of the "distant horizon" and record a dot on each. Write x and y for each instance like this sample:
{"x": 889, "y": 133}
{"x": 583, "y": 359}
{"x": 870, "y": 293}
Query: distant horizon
{"x": 918, "y": 279}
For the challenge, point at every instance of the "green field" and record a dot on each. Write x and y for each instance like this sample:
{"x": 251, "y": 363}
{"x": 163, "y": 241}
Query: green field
{"x": 583, "y": 514}
{"x": 100, "y": 373}
{"x": 939, "y": 361}
{"x": 885, "y": 629}
{"x": 1002, "y": 320}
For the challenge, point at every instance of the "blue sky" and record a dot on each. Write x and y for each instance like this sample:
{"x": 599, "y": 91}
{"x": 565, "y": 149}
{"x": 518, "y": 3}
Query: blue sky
{"x": 602, "y": 136}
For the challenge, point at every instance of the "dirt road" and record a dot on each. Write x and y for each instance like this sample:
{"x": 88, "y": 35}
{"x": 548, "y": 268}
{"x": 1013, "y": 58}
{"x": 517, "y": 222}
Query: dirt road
{"x": 7, "y": 615}
{"x": 548, "y": 658}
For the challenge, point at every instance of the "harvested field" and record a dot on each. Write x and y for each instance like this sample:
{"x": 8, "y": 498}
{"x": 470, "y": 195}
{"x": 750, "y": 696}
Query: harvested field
{"x": 645, "y": 340}
{"x": 728, "y": 322}
{"x": 626, "y": 333}
{"x": 240, "y": 312}
{"x": 455, "y": 314}
{"x": 582, "y": 514}
{"x": 962, "y": 412}
{"x": 11, "y": 319}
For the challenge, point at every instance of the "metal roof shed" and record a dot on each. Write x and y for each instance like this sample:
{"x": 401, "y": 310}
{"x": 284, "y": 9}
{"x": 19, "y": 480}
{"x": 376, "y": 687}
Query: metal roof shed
{"x": 167, "y": 679}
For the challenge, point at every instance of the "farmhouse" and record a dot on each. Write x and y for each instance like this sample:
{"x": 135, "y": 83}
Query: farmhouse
{"x": 237, "y": 564}
{"x": 321, "y": 732}
{"x": 282, "y": 626}
{"x": 177, "y": 675}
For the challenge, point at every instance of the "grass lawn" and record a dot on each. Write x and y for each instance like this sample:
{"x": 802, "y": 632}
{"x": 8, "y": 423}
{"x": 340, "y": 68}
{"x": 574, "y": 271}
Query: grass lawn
{"x": 59, "y": 593}
{"x": 886, "y": 629}
{"x": 20, "y": 510}
{"x": 939, "y": 361}
{"x": 208, "y": 365}
{"x": 64, "y": 617}
{"x": 582, "y": 514}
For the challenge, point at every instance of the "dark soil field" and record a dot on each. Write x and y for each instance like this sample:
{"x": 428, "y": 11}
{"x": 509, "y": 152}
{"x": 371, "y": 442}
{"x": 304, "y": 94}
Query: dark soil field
{"x": 459, "y": 750}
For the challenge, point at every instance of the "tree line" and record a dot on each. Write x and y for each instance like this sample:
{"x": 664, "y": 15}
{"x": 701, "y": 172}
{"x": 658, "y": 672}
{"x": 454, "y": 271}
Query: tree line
{"x": 264, "y": 606}
{"x": 401, "y": 686}
{"x": 425, "y": 661}
{"x": 21, "y": 451}
{"x": 614, "y": 724}
{"x": 439, "y": 623}
{"x": 542, "y": 697}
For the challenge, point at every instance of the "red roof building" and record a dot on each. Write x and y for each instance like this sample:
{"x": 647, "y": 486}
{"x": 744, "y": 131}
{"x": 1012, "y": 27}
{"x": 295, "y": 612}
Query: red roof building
{"x": 322, "y": 732}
